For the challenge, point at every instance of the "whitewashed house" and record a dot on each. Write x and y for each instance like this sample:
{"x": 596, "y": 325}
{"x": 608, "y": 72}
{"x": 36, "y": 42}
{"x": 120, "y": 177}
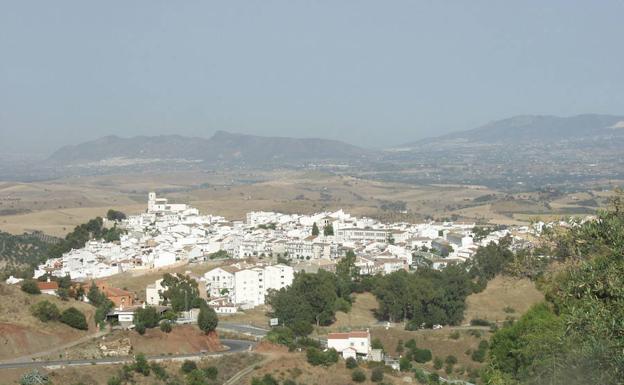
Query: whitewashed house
{"x": 351, "y": 344}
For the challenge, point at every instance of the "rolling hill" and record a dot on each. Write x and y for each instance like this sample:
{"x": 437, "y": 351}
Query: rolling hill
{"x": 222, "y": 148}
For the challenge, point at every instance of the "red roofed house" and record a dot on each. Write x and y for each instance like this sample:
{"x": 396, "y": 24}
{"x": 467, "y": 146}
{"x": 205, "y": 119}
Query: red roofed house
{"x": 121, "y": 298}
{"x": 350, "y": 344}
{"x": 49, "y": 287}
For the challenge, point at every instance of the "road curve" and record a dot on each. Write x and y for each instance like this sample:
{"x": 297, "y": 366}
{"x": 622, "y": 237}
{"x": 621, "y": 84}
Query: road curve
{"x": 234, "y": 346}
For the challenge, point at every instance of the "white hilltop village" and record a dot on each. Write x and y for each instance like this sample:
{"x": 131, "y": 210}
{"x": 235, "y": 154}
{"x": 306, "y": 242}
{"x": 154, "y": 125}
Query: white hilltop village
{"x": 169, "y": 235}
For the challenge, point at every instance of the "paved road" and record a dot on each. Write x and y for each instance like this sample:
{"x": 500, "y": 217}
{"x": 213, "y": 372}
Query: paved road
{"x": 235, "y": 346}
{"x": 243, "y": 328}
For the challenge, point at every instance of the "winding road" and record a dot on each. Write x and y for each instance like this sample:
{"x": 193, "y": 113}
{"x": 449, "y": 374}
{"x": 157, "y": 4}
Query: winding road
{"x": 234, "y": 346}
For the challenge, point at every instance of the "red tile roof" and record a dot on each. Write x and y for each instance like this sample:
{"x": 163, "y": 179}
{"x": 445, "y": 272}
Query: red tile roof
{"x": 345, "y": 336}
{"x": 53, "y": 285}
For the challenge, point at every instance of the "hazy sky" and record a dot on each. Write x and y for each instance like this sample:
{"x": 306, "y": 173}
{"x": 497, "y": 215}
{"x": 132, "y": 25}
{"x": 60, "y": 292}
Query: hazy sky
{"x": 369, "y": 72}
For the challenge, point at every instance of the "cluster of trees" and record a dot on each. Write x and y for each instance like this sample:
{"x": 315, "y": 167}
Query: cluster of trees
{"x": 423, "y": 298}
{"x": 318, "y": 357}
{"x": 575, "y": 337}
{"x": 94, "y": 229}
{"x": 47, "y": 311}
{"x": 20, "y": 254}
{"x": 313, "y": 299}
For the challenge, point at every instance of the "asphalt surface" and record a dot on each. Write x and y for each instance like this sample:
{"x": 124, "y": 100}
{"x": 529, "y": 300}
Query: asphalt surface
{"x": 243, "y": 328}
{"x": 235, "y": 346}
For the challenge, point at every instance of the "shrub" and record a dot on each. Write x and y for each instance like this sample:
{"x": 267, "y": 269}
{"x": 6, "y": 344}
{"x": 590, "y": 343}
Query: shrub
{"x": 188, "y": 366}
{"x": 437, "y": 363}
{"x": 211, "y": 372}
{"x": 411, "y": 344}
{"x": 434, "y": 378}
{"x": 377, "y": 375}
{"x": 478, "y": 355}
{"x": 509, "y": 309}
{"x": 451, "y": 359}
{"x": 166, "y": 327}
{"x": 316, "y": 357}
{"x": 74, "y": 318}
{"x": 422, "y": 355}
{"x": 267, "y": 379}
{"x": 448, "y": 369}
{"x": 45, "y": 311}
{"x": 147, "y": 317}
{"x": 405, "y": 364}
{"x": 399, "y": 348}
{"x": 140, "y": 364}
{"x": 351, "y": 363}
{"x": 358, "y": 375}
{"x": 114, "y": 380}
{"x": 420, "y": 376}
{"x": 281, "y": 335}
{"x": 479, "y": 322}
{"x": 376, "y": 344}
{"x": 30, "y": 286}
{"x": 207, "y": 319}
{"x": 455, "y": 335}
{"x": 140, "y": 328}
{"x": 159, "y": 370}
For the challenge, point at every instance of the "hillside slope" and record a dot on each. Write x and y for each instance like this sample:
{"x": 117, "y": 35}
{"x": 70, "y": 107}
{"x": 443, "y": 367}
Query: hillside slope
{"x": 23, "y": 334}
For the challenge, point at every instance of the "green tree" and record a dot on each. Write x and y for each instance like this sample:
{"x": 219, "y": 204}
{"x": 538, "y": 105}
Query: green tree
{"x": 328, "y": 229}
{"x": 182, "y": 292}
{"x": 188, "y": 366}
{"x": 114, "y": 215}
{"x": 148, "y": 317}
{"x": 377, "y": 374}
{"x": 315, "y": 229}
{"x": 207, "y": 319}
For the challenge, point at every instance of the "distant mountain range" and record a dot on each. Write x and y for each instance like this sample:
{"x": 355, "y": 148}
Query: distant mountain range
{"x": 535, "y": 129}
{"x": 222, "y": 147}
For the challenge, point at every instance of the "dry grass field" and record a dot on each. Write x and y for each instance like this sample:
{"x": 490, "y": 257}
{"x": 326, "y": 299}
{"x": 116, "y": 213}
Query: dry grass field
{"x": 23, "y": 334}
{"x": 438, "y": 341}
{"x": 361, "y": 315}
{"x": 502, "y": 292}
{"x": 55, "y": 207}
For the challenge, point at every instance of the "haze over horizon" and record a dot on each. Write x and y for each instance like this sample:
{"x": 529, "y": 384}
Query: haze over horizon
{"x": 358, "y": 71}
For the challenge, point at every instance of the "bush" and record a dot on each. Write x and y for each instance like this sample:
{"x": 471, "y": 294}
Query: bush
{"x": 166, "y": 327}
{"x": 451, "y": 359}
{"x": 140, "y": 364}
{"x": 267, "y": 379}
{"x": 281, "y": 335}
{"x": 45, "y": 311}
{"x": 448, "y": 369}
{"x": 114, "y": 380}
{"x": 74, "y": 318}
{"x": 316, "y": 357}
{"x": 188, "y": 366}
{"x": 140, "y": 328}
{"x": 478, "y": 355}
{"x": 211, "y": 372}
{"x": 479, "y": 322}
{"x": 351, "y": 363}
{"x": 358, "y": 375}
{"x": 420, "y": 376}
{"x": 30, "y": 286}
{"x": 376, "y": 344}
{"x": 159, "y": 370}
{"x": 147, "y": 317}
{"x": 405, "y": 364}
{"x": 411, "y": 344}
{"x": 434, "y": 378}
{"x": 422, "y": 355}
{"x": 437, "y": 363}
{"x": 455, "y": 335}
{"x": 207, "y": 319}
{"x": 377, "y": 375}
